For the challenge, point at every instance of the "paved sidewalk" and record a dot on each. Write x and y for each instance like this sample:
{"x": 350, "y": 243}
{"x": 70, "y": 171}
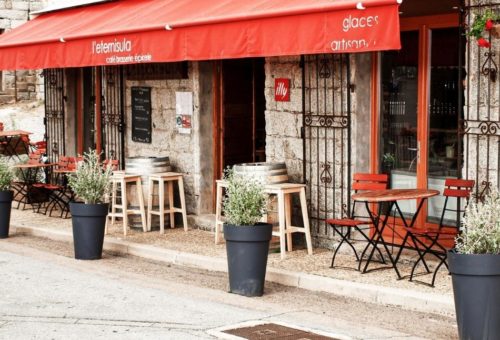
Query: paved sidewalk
{"x": 195, "y": 248}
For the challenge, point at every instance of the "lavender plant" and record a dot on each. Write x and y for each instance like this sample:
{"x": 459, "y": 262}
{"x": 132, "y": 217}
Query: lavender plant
{"x": 481, "y": 227}
{"x": 6, "y": 175}
{"x": 90, "y": 182}
{"x": 245, "y": 201}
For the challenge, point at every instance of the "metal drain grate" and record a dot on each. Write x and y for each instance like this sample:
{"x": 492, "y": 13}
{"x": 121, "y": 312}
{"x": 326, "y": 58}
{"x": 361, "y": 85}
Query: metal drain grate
{"x": 270, "y": 331}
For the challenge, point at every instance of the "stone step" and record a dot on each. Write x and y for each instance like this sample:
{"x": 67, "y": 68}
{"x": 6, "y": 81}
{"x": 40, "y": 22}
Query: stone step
{"x": 6, "y": 98}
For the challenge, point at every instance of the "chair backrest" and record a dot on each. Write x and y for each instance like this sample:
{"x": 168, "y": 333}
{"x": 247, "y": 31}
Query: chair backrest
{"x": 113, "y": 163}
{"x": 73, "y": 162}
{"x": 365, "y": 182}
{"x": 34, "y": 158}
{"x": 62, "y": 163}
{"x": 457, "y": 188}
{"x": 25, "y": 139}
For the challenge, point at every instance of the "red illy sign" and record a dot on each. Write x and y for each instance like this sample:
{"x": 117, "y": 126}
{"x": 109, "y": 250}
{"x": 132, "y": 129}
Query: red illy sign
{"x": 282, "y": 90}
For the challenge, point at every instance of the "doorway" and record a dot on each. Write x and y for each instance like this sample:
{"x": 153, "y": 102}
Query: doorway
{"x": 420, "y": 117}
{"x": 240, "y": 127}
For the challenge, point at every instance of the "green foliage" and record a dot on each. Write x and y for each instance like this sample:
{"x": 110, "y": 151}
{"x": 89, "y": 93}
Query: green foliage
{"x": 245, "y": 201}
{"x": 481, "y": 227}
{"x": 90, "y": 182}
{"x": 6, "y": 175}
{"x": 478, "y": 26}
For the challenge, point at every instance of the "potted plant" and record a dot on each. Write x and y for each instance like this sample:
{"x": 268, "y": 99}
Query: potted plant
{"x": 475, "y": 269}
{"x": 6, "y": 196}
{"x": 247, "y": 240}
{"x": 485, "y": 22}
{"x": 89, "y": 183}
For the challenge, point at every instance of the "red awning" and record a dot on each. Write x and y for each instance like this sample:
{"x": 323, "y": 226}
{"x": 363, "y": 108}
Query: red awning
{"x": 136, "y": 31}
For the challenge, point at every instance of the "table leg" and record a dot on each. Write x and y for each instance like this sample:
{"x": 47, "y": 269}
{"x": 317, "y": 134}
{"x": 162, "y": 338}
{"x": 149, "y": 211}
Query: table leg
{"x": 281, "y": 218}
{"x": 414, "y": 240}
{"x": 378, "y": 238}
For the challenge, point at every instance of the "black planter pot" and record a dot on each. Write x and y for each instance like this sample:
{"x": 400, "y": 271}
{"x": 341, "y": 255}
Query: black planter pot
{"x": 247, "y": 249}
{"x": 476, "y": 282}
{"x": 89, "y": 221}
{"x": 5, "y": 206}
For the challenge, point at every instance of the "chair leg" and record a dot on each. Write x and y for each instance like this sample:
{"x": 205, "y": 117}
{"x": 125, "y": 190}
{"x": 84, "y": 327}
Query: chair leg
{"x": 345, "y": 238}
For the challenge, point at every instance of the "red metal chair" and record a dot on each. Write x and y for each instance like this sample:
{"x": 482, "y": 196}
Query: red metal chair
{"x": 431, "y": 240}
{"x": 58, "y": 193}
{"x": 113, "y": 163}
{"x": 361, "y": 182}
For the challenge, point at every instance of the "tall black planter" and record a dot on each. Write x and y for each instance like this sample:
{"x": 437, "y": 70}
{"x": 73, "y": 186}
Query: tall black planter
{"x": 476, "y": 282}
{"x": 89, "y": 221}
{"x": 5, "y": 206}
{"x": 247, "y": 249}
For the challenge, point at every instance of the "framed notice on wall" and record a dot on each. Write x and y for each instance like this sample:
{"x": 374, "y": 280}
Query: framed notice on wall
{"x": 184, "y": 111}
{"x": 141, "y": 114}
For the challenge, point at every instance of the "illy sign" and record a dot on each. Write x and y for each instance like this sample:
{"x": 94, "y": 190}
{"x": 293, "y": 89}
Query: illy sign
{"x": 282, "y": 89}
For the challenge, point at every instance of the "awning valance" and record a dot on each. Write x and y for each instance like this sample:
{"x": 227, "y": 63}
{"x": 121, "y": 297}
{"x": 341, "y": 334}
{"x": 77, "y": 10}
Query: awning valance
{"x": 138, "y": 31}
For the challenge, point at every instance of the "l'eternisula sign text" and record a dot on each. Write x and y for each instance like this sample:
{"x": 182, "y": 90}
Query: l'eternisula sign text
{"x": 118, "y": 46}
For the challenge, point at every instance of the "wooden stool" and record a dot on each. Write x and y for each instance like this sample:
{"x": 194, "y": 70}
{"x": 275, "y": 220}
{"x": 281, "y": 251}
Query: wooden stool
{"x": 121, "y": 179}
{"x": 284, "y": 194}
{"x": 169, "y": 178}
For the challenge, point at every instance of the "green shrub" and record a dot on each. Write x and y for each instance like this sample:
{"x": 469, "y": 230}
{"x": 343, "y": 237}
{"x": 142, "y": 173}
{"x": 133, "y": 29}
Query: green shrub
{"x": 90, "y": 182}
{"x": 481, "y": 227}
{"x": 245, "y": 200}
{"x": 6, "y": 175}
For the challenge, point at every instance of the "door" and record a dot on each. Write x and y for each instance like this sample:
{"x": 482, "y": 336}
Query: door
{"x": 419, "y": 113}
{"x": 239, "y": 115}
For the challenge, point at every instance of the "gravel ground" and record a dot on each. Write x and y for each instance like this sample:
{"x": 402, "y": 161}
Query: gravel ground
{"x": 420, "y": 325}
{"x": 202, "y": 242}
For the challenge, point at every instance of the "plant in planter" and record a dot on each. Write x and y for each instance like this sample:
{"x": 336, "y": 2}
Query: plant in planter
{"x": 486, "y": 22}
{"x": 90, "y": 183}
{"x": 6, "y": 196}
{"x": 475, "y": 269}
{"x": 247, "y": 240}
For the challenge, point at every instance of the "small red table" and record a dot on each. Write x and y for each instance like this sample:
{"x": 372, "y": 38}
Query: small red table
{"x": 11, "y": 141}
{"x": 391, "y": 197}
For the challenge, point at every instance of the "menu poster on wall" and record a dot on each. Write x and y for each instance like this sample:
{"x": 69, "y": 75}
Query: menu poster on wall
{"x": 141, "y": 114}
{"x": 184, "y": 111}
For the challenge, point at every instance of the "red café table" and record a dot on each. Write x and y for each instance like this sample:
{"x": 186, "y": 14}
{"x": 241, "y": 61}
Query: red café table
{"x": 11, "y": 143}
{"x": 391, "y": 197}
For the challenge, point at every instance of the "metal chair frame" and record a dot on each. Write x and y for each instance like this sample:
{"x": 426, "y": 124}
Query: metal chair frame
{"x": 361, "y": 182}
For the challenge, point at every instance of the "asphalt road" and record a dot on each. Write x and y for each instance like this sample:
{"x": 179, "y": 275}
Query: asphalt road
{"x": 46, "y": 294}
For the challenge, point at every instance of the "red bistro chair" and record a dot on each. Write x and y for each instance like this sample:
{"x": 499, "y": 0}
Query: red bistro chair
{"x": 343, "y": 226}
{"x": 430, "y": 240}
{"x": 113, "y": 163}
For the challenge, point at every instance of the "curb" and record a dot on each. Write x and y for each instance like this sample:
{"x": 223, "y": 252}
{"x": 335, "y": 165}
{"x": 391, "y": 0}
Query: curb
{"x": 404, "y": 298}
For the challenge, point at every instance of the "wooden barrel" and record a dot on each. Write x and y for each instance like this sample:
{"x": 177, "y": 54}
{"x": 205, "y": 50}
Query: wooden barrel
{"x": 144, "y": 166}
{"x": 266, "y": 173}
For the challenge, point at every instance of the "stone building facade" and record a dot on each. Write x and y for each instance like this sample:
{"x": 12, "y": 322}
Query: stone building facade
{"x": 332, "y": 126}
{"x": 26, "y": 84}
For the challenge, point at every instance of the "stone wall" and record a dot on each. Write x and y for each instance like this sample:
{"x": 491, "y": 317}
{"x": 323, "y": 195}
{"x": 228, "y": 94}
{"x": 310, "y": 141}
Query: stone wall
{"x": 284, "y": 142}
{"x": 188, "y": 153}
{"x": 284, "y": 119}
{"x": 482, "y": 112}
{"x": 26, "y": 85}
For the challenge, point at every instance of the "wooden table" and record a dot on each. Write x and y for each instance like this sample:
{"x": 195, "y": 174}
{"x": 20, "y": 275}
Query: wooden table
{"x": 390, "y": 196}
{"x": 11, "y": 141}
